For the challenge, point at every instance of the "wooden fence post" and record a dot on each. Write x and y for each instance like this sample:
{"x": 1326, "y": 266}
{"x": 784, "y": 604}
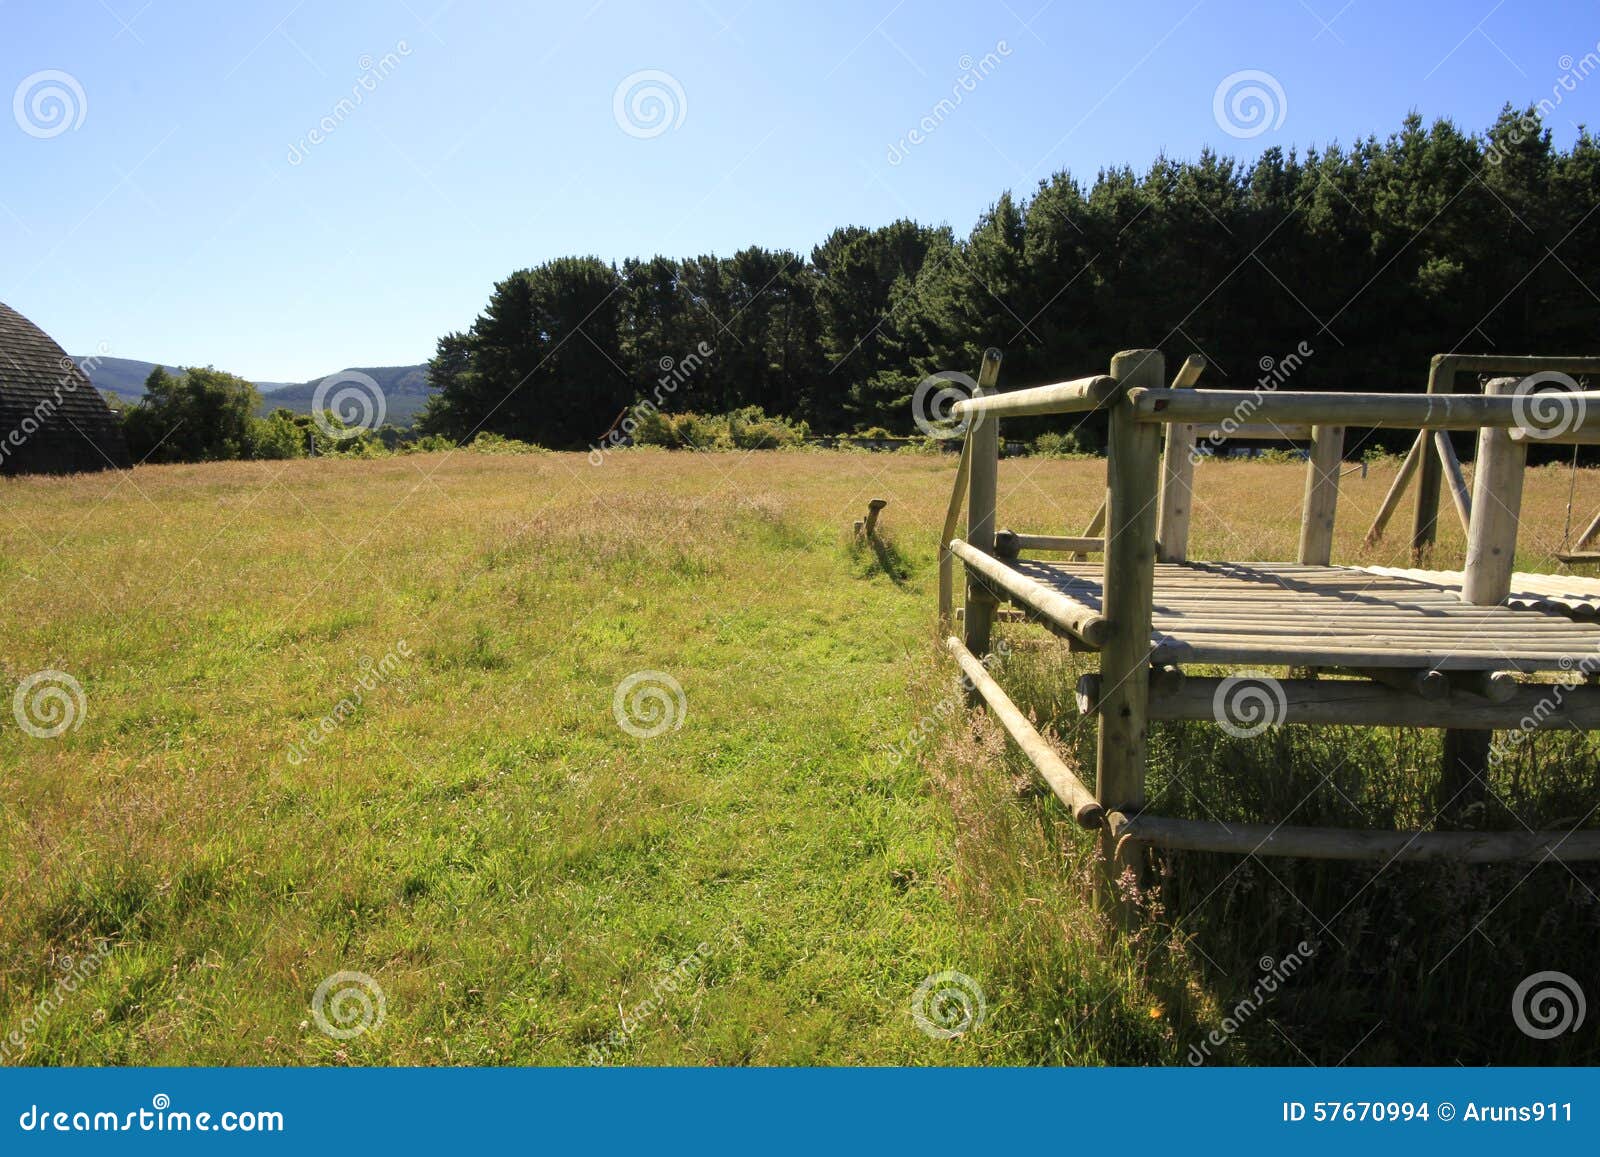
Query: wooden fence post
{"x": 988, "y": 375}
{"x": 982, "y": 491}
{"x": 1177, "y": 474}
{"x": 1132, "y": 472}
{"x": 1430, "y": 471}
{"x": 1485, "y": 582}
{"x": 1322, "y": 495}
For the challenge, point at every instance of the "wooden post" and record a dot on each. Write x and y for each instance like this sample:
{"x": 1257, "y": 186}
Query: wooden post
{"x": 1452, "y": 474}
{"x": 1397, "y": 488}
{"x": 1132, "y": 470}
{"x": 1322, "y": 495}
{"x": 1485, "y": 582}
{"x": 982, "y": 489}
{"x": 988, "y": 375}
{"x": 1430, "y": 471}
{"x": 1177, "y": 475}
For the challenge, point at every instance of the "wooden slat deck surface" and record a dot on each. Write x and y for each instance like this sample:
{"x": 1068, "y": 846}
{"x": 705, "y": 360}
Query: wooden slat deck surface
{"x": 1273, "y": 613}
{"x": 1559, "y": 593}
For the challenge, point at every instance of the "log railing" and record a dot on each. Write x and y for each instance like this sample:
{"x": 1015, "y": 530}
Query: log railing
{"x": 1153, "y": 427}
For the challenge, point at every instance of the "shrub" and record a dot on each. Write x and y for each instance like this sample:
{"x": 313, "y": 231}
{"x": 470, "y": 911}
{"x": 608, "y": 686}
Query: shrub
{"x": 490, "y": 443}
{"x": 276, "y": 436}
{"x": 751, "y": 429}
{"x": 1052, "y": 444}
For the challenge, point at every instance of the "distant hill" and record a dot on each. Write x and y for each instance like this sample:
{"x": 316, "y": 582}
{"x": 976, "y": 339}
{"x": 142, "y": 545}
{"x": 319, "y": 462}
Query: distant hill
{"x": 125, "y": 376}
{"x": 405, "y": 388}
{"x": 405, "y": 391}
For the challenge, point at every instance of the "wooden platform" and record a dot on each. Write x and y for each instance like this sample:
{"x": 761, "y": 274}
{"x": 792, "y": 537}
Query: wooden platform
{"x": 1270, "y": 613}
{"x": 1563, "y": 594}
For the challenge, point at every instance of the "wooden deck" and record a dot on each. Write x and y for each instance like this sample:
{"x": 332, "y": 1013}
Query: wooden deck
{"x": 1564, "y": 594}
{"x": 1271, "y": 613}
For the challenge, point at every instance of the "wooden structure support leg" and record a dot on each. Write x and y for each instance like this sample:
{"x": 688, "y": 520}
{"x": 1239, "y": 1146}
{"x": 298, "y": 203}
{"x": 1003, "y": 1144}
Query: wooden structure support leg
{"x": 1132, "y": 473}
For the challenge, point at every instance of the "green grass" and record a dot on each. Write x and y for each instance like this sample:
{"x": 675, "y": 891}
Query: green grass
{"x": 827, "y": 827}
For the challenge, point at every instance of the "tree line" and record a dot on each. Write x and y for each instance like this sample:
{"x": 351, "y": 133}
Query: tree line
{"x": 1373, "y": 256}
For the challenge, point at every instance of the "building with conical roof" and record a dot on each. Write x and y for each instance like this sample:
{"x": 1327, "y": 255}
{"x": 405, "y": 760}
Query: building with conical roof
{"x": 52, "y": 420}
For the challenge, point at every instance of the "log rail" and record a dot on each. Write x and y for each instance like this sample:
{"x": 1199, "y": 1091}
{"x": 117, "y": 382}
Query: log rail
{"x": 1382, "y": 648}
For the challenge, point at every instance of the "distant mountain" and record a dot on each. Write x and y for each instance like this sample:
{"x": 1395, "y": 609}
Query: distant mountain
{"x": 405, "y": 388}
{"x": 125, "y": 376}
{"x": 405, "y": 392}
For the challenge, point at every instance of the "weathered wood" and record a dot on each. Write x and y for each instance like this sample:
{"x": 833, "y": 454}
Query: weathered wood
{"x": 1066, "y": 785}
{"x": 1345, "y": 844}
{"x": 1009, "y": 543}
{"x": 1084, "y": 621}
{"x": 1321, "y": 496}
{"x": 1397, "y": 488}
{"x": 1251, "y": 432}
{"x": 1061, "y": 398}
{"x": 1177, "y": 475}
{"x": 1359, "y": 703}
{"x": 1097, "y": 524}
{"x": 1423, "y": 682}
{"x": 1495, "y": 686}
{"x": 1132, "y": 470}
{"x": 1382, "y": 411}
{"x": 1588, "y": 534}
{"x": 1425, "y": 513}
{"x": 1456, "y": 480}
{"x": 983, "y": 484}
{"x": 869, "y": 526}
{"x": 952, "y": 519}
{"x": 1497, "y": 501}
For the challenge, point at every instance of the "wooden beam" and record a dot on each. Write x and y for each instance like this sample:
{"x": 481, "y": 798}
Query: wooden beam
{"x": 983, "y": 484}
{"x": 1425, "y": 514}
{"x": 1358, "y": 703}
{"x": 1345, "y": 844}
{"x": 1080, "y": 619}
{"x": 1497, "y": 501}
{"x": 1132, "y": 471}
{"x": 1008, "y": 544}
{"x": 1397, "y": 488}
{"x": 1321, "y": 496}
{"x": 1061, "y": 398}
{"x": 1452, "y": 475}
{"x": 1381, "y": 411}
{"x": 1068, "y": 788}
{"x": 1177, "y": 475}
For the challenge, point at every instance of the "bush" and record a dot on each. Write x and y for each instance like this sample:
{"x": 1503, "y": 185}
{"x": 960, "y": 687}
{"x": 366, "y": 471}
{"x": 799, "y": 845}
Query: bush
{"x": 428, "y": 444}
{"x": 874, "y": 432}
{"x": 751, "y": 429}
{"x": 491, "y": 443}
{"x": 1057, "y": 445}
{"x": 277, "y": 436}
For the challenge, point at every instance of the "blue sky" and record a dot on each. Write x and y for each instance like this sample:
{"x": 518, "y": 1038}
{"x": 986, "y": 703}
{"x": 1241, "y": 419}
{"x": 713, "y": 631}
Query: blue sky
{"x": 179, "y": 210}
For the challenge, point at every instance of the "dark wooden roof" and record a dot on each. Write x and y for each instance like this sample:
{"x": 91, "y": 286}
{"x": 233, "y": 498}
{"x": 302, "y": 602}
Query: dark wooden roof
{"x": 52, "y": 421}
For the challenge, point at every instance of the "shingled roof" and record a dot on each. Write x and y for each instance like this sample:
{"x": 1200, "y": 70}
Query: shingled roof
{"x": 52, "y": 420}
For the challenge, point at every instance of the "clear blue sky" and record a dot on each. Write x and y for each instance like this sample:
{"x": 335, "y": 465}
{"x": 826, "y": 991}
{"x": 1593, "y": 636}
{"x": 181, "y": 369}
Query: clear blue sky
{"x": 170, "y": 223}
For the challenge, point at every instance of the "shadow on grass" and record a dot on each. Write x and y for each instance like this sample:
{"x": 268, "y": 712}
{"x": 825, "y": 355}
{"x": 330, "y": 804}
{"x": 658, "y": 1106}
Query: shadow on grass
{"x": 1256, "y": 960}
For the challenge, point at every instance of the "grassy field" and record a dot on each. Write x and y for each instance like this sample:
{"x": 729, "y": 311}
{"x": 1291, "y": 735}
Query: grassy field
{"x": 362, "y": 717}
